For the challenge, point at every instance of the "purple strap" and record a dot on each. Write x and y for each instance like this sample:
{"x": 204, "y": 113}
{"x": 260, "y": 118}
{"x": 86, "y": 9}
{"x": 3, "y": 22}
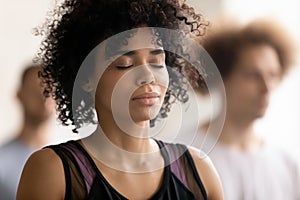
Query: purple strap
{"x": 84, "y": 164}
{"x": 176, "y": 166}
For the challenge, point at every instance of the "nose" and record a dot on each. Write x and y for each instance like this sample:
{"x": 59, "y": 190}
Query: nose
{"x": 267, "y": 84}
{"x": 145, "y": 75}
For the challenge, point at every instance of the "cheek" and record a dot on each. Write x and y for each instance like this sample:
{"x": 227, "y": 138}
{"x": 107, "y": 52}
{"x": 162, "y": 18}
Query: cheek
{"x": 241, "y": 87}
{"x": 49, "y": 104}
{"x": 105, "y": 88}
{"x": 162, "y": 78}
{"x": 34, "y": 107}
{"x": 238, "y": 92}
{"x": 121, "y": 86}
{"x": 115, "y": 89}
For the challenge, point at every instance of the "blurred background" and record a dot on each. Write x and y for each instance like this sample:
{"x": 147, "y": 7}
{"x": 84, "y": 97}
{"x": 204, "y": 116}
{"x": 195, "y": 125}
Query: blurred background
{"x": 19, "y": 45}
{"x": 280, "y": 125}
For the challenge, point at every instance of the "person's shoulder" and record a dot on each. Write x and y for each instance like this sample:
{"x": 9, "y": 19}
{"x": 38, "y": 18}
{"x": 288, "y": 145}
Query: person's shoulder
{"x": 201, "y": 160}
{"x": 44, "y": 155}
{"x": 208, "y": 173}
{"x": 278, "y": 153}
{"x": 42, "y": 177}
{"x": 47, "y": 158}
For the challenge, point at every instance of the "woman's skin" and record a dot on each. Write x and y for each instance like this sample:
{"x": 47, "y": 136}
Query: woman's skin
{"x": 145, "y": 70}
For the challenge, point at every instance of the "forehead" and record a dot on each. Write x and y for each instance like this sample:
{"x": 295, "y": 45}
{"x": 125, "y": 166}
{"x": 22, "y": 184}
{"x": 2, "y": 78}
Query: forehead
{"x": 142, "y": 38}
{"x": 259, "y": 58}
{"x": 31, "y": 76}
{"x": 114, "y": 47}
{"x": 131, "y": 40}
{"x": 32, "y": 80}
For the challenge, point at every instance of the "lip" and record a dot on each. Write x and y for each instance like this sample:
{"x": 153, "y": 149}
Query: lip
{"x": 149, "y": 98}
{"x": 146, "y": 95}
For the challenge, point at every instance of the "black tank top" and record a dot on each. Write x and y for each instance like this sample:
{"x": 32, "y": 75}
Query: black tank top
{"x": 85, "y": 181}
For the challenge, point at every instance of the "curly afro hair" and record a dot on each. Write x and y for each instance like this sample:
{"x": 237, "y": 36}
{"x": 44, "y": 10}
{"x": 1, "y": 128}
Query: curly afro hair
{"x": 75, "y": 27}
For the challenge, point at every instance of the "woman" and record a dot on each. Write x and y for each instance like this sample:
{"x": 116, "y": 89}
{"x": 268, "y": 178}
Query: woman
{"x": 107, "y": 56}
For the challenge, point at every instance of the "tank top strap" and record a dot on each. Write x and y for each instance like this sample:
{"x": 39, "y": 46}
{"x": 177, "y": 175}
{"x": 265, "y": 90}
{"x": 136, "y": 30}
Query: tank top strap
{"x": 175, "y": 151}
{"x": 79, "y": 171}
{"x": 183, "y": 167}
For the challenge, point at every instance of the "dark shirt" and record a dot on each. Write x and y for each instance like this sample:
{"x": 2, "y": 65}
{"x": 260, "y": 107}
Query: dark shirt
{"x": 85, "y": 181}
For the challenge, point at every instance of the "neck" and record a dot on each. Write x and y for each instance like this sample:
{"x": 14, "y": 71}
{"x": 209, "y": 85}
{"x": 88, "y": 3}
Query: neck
{"x": 34, "y": 135}
{"x": 129, "y": 150}
{"x": 239, "y": 134}
{"x": 114, "y": 154}
{"x": 127, "y": 135}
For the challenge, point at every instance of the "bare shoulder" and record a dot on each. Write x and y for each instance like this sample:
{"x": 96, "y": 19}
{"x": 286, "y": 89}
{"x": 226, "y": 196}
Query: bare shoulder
{"x": 42, "y": 177}
{"x": 208, "y": 174}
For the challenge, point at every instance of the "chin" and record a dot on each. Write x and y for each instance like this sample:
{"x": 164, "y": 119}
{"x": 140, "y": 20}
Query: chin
{"x": 145, "y": 113}
{"x": 143, "y": 118}
{"x": 259, "y": 115}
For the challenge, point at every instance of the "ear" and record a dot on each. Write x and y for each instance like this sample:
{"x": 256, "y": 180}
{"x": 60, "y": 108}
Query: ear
{"x": 19, "y": 95}
{"x": 88, "y": 86}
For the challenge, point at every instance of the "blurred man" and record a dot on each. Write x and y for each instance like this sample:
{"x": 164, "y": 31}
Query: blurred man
{"x": 252, "y": 60}
{"x": 37, "y": 111}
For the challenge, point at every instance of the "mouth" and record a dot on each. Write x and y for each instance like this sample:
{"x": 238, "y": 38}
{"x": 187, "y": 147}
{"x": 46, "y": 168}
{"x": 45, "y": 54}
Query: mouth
{"x": 149, "y": 98}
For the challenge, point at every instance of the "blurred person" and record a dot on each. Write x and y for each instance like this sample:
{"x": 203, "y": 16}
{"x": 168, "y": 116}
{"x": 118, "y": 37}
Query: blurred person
{"x": 109, "y": 64}
{"x": 252, "y": 60}
{"x": 37, "y": 112}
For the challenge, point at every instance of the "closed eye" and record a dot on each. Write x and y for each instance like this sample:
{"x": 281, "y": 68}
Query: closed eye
{"x": 157, "y": 66}
{"x": 123, "y": 67}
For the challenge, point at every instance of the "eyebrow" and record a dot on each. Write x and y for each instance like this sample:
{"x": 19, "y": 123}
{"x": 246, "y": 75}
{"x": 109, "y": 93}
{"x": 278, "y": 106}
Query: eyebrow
{"x": 130, "y": 53}
{"x": 157, "y": 51}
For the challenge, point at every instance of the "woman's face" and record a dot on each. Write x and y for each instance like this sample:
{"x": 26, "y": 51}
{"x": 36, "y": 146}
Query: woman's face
{"x": 134, "y": 84}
